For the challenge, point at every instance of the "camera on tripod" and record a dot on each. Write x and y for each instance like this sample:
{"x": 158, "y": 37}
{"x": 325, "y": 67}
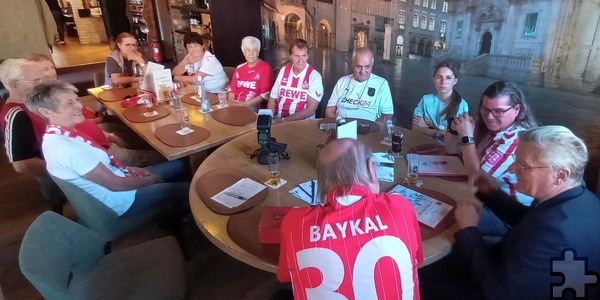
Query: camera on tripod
{"x": 267, "y": 143}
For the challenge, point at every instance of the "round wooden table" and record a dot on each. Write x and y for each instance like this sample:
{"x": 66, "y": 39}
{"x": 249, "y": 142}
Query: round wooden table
{"x": 302, "y": 138}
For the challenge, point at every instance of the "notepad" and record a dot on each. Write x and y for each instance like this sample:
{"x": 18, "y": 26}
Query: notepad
{"x": 239, "y": 192}
{"x": 441, "y": 165}
{"x": 429, "y": 211}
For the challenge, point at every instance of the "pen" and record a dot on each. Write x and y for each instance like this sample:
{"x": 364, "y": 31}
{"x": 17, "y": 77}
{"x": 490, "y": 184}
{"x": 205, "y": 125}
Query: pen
{"x": 436, "y": 162}
{"x": 235, "y": 196}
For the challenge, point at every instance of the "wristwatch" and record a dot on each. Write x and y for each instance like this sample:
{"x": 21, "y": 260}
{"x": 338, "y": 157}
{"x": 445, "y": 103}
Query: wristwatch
{"x": 466, "y": 140}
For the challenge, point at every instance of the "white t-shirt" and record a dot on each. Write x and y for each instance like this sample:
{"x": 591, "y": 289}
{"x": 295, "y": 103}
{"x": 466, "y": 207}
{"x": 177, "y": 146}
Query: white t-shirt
{"x": 69, "y": 159}
{"x": 362, "y": 100}
{"x": 216, "y": 80}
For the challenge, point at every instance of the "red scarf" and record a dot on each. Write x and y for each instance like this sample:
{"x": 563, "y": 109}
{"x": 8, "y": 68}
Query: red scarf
{"x": 75, "y": 134}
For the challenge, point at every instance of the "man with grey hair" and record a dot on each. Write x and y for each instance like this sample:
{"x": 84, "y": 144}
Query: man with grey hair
{"x": 361, "y": 95}
{"x": 556, "y": 233}
{"x": 356, "y": 233}
{"x": 23, "y": 146}
{"x": 251, "y": 82}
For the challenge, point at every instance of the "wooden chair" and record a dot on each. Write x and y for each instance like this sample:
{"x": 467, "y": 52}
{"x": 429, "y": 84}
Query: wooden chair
{"x": 229, "y": 72}
{"x": 65, "y": 260}
{"x": 95, "y": 215}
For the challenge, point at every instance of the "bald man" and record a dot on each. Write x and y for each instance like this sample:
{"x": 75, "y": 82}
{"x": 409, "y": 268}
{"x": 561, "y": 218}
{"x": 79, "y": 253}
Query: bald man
{"x": 361, "y": 95}
{"x": 359, "y": 244}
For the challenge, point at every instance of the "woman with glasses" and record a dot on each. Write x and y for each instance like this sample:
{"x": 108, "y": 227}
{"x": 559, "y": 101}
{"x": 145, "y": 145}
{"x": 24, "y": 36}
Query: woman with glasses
{"x": 431, "y": 114}
{"x": 200, "y": 63}
{"x": 489, "y": 143}
{"x": 251, "y": 82}
{"x": 122, "y": 62}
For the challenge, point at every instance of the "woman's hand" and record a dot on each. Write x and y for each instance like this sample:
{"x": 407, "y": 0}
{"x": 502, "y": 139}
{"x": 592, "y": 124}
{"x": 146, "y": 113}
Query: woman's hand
{"x": 418, "y": 122}
{"x": 464, "y": 125}
{"x": 137, "y": 58}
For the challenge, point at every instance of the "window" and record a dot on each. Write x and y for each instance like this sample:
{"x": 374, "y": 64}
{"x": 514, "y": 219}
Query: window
{"x": 459, "y": 25}
{"x": 431, "y": 24}
{"x": 445, "y": 6}
{"x": 433, "y": 4}
{"x": 425, "y": 3}
{"x": 401, "y": 18}
{"x": 402, "y": 0}
{"x": 442, "y": 26}
{"x": 380, "y": 23}
{"x": 423, "y": 22}
{"x": 417, "y": 2}
{"x": 416, "y": 20}
{"x": 530, "y": 23}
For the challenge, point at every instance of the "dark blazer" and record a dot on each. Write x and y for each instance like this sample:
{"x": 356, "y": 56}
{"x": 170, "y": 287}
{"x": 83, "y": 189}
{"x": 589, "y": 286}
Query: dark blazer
{"x": 521, "y": 265}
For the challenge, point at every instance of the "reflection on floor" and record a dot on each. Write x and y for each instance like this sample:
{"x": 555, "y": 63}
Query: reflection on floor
{"x": 74, "y": 53}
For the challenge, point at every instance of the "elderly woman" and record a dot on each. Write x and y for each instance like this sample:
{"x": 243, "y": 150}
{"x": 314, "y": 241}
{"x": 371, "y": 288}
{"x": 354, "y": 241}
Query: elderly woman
{"x": 121, "y": 62}
{"x": 200, "y": 63}
{"x": 434, "y": 110}
{"x": 72, "y": 155}
{"x": 562, "y": 223}
{"x": 490, "y": 142}
{"x": 252, "y": 80}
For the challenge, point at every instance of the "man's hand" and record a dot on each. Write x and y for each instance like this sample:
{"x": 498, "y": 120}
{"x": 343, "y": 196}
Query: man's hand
{"x": 467, "y": 214}
{"x": 464, "y": 125}
{"x": 142, "y": 172}
{"x": 484, "y": 182}
{"x": 113, "y": 138}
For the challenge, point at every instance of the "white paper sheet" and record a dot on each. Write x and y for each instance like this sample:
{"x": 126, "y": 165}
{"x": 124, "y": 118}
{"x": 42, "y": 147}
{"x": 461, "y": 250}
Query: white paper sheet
{"x": 429, "y": 211}
{"x": 348, "y": 130}
{"x": 307, "y": 192}
{"x": 385, "y": 166}
{"x": 239, "y": 192}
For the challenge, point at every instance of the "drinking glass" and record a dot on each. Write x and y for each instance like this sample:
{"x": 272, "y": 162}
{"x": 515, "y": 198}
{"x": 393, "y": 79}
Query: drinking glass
{"x": 182, "y": 115}
{"x": 412, "y": 174}
{"x": 275, "y": 177}
{"x": 223, "y": 99}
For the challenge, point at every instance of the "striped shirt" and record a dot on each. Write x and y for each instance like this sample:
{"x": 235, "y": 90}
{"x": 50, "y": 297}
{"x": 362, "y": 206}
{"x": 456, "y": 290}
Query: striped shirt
{"x": 498, "y": 155}
{"x": 362, "y": 246}
{"x": 291, "y": 91}
{"x": 20, "y": 139}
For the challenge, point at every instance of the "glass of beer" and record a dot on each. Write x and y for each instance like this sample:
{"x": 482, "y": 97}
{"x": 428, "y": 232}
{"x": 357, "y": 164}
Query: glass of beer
{"x": 412, "y": 175}
{"x": 275, "y": 177}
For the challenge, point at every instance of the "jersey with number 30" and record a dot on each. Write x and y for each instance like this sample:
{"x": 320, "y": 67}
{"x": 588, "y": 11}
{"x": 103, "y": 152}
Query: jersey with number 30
{"x": 359, "y": 246}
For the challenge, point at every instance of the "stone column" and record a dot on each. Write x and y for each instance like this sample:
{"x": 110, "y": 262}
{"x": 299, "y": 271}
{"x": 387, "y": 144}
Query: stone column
{"x": 387, "y": 41}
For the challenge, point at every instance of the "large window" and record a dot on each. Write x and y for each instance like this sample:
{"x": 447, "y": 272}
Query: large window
{"x": 415, "y": 20}
{"x": 425, "y": 3}
{"x": 402, "y": 0}
{"x": 445, "y": 6}
{"x": 433, "y": 4}
{"x": 401, "y": 19}
{"x": 459, "y": 26}
{"x": 417, "y": 2}
{"x": 431, "y": 23}
{"x": 530, "y": 24}
{"x": 423, "y": 22}
{"x": 443, "y": 26}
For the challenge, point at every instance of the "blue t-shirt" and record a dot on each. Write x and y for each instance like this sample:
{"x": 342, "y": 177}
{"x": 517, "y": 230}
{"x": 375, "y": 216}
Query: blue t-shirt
{"x": 430, "y": 107}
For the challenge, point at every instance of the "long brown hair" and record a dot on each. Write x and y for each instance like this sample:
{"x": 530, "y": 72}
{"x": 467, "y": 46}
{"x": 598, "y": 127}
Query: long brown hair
{"x": 452, "y": 108}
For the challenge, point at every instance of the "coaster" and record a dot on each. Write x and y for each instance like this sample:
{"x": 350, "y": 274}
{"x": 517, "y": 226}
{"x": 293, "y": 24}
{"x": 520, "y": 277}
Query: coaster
{"x": 386, "y": 142}
{"x": 419, "y": 183}
{"x": 184, "y": 131}
{"x": 203, "y": 112}
{"x": 150, "y": 114}
{"x": 281, "y": 183}
{"x": 219, "y": 106}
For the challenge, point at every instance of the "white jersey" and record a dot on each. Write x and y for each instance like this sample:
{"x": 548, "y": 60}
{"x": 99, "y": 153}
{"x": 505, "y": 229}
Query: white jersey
{"x": 367, "y": 100}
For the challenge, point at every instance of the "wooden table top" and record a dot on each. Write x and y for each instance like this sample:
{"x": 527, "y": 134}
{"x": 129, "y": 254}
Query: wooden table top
{"x": 302, "y": 138}
{"x": 219, "y": 133}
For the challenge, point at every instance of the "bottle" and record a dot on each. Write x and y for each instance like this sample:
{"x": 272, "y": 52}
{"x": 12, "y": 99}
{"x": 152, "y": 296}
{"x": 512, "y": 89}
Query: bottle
{"x": 205, "y": 104}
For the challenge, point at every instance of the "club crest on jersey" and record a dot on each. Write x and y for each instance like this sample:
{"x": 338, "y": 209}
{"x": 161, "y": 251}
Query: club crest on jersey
{"x": 305, "y": 85}
{"x": 257, "y": 77}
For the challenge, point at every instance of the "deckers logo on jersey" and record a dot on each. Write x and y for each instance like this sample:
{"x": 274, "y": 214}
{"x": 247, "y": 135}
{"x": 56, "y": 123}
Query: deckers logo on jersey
{"x": 357, "y": 102}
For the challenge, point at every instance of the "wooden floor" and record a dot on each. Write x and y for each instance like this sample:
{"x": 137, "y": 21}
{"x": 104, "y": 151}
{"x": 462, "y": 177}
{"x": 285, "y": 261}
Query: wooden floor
{"x": 74, "y": 53}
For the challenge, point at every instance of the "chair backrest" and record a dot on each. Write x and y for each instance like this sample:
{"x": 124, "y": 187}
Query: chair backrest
{"x": 99, "y": 78}
{"x": 56, "y": 249}
{"x": 229, "y": 72}
{"x": 100, "y": 218}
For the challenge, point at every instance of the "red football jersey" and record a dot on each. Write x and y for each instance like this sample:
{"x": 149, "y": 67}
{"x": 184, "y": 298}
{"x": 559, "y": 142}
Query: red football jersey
{"x": 247, "y": 83}
{"x": 359, "y": 246}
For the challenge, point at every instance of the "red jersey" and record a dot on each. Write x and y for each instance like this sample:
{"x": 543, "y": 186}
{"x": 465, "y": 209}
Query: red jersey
{"x": 358, "y": 246}
{"x": 291, "y": 91}
{"x": 248, "y": 82}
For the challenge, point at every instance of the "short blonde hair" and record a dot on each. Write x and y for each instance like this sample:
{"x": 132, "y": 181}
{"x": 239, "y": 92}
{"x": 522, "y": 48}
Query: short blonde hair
{"x": 12, "y": 69}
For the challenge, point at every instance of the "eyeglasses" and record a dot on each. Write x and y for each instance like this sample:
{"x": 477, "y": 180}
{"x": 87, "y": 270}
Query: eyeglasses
{"x": 519, "y": 166}
{"x": 495, "y": 112}
{"x": 35, "y": 81}
{"x": 131, "y": 45}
